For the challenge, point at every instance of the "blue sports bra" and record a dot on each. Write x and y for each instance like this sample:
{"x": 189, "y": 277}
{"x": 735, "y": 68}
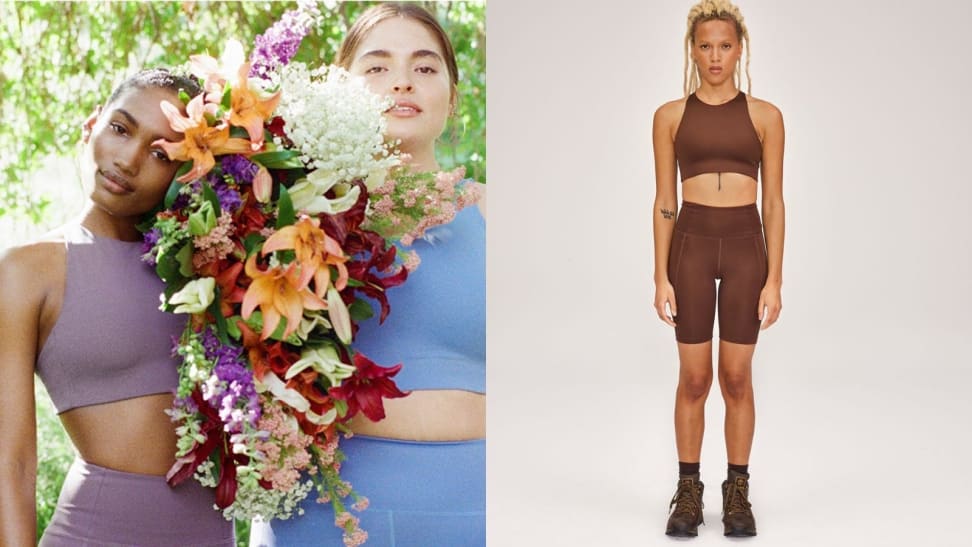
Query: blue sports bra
{"x": 437, "y": 324}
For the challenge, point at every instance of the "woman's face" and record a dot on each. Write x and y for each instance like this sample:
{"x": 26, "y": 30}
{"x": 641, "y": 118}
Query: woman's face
{"x": 124, "y": 173}
{"x": 716, "y": 50}
{"x": 402, "y": 59}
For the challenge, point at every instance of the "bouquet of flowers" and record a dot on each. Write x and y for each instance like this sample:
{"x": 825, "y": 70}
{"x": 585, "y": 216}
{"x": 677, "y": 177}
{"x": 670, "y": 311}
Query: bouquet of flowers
{"x": 282, "y": 221}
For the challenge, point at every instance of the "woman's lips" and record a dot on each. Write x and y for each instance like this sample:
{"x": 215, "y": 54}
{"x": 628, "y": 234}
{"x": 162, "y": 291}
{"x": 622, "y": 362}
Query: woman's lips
{"x": 715, "y": 70}
{"x": 404, "y": 109}
{"x": 114, "y": 183}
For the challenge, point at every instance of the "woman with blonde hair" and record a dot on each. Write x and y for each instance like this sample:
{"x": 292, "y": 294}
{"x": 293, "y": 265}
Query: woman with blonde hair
{"x": 725, "y": 145}
{"x": 422, "y": 467}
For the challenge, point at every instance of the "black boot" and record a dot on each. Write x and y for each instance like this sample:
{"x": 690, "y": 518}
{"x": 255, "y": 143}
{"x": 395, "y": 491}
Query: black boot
{"x": 737, "y": 513}
{"x": 687, "y": 515}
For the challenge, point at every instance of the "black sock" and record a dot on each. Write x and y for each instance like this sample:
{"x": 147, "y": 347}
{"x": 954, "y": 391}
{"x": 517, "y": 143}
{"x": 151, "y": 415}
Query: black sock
{"x": 688, "y": 468}
{"x": 744, "y": 469}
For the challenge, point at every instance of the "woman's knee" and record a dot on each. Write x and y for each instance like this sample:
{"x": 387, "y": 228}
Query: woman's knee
{"x": 736, "y": 382}
{"x": 695, "y": 386}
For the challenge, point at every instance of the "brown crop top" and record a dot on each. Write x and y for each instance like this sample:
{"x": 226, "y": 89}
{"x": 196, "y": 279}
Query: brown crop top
{"x": 717, "y": 139}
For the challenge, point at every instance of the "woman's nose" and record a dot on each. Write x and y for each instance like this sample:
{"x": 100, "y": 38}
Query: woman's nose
{"x": 127, "y": 159}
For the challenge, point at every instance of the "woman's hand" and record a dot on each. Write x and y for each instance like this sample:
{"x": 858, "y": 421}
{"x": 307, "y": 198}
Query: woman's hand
{"x": 665, "y": 294}
{"x": 770, "y": 305}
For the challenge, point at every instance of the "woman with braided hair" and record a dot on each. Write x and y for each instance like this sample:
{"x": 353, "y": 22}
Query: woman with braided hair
{"x": 724, "y": 144}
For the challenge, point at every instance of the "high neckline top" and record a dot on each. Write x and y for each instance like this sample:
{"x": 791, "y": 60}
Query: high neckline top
{"x": 717, "y": 139}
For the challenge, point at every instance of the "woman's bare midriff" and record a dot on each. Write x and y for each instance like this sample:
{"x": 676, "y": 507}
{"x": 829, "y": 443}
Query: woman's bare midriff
{"x": 132, "y": 435}
{"x": 733, "y": 190}
{"x": 429, "y": 415}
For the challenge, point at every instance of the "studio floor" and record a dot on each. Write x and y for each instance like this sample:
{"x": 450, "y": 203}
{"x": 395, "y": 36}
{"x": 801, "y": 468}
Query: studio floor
{"x": 868, "y": 448}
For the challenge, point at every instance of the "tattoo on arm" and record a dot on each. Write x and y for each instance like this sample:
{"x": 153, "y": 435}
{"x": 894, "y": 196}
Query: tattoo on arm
{"x": 668, "y": 214}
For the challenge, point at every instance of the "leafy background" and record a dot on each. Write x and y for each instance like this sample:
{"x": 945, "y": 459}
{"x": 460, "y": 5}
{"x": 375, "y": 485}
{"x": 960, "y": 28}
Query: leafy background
{"x": 58, "y": 60}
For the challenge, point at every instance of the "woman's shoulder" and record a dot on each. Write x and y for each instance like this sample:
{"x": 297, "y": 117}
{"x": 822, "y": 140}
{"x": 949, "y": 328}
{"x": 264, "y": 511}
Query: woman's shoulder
{"x": 31, "y": 267}
{"x": 763, "y": 109}
{"x": 670, "y": 110}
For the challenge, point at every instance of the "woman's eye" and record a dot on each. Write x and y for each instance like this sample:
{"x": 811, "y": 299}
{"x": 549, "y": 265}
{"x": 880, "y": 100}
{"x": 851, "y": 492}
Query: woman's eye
{"x": 161, "y": 155}
{"x": 374, "y": 70}
{"x": 426, "y": 70}
{"x": 117, "y": 128}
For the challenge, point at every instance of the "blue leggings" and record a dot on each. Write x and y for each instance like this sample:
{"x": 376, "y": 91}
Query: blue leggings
{"x": 421, "y": 494}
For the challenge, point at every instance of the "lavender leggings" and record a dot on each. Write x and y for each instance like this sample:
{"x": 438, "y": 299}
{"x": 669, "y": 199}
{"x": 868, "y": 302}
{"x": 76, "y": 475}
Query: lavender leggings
{"x": 103, "y": 507}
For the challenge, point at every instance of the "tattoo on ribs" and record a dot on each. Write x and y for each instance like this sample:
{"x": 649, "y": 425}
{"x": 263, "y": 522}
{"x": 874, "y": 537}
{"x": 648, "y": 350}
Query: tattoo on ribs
{"x": 669, "y": 215}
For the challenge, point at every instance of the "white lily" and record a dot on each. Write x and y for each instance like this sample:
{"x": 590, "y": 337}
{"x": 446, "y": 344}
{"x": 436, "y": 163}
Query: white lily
{"x": 324, "y": 360}
{"x": 307, "y": 194}
{"x": 340, "y": 317}
{"x": 279, "y": 390}
{"x": 321, "y": 419}
{"x": 195, "y": 296}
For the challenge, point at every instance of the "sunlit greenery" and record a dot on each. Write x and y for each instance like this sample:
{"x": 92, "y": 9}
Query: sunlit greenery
{"x": 60, "y": 59}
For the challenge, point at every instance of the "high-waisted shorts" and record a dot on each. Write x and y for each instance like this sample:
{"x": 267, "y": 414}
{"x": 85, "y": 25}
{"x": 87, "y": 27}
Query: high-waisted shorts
{"x": 107, "y": 508}
{"x": 420, "y": 494}
{"x": 724, "y": 243}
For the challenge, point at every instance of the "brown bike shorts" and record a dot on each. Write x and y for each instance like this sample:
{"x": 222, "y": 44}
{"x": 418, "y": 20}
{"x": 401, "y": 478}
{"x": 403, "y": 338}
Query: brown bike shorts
{"x": 724, "y": 243}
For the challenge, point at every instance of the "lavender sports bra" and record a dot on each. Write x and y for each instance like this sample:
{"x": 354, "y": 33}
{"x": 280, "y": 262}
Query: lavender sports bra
{"x": 111, "y": 341}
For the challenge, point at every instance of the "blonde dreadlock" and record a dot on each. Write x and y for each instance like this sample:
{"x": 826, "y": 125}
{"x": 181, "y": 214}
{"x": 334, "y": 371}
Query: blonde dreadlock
{"x": 707, "y": 10}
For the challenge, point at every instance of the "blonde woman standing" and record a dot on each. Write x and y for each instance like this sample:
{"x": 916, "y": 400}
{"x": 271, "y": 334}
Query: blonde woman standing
{"x": 725, "y": 145}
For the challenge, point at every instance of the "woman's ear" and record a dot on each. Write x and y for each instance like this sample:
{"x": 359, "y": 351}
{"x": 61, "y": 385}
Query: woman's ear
{"x": 88, "y": 124}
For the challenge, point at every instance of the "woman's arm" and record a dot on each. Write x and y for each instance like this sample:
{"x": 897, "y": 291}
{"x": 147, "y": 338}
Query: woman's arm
{"x": 666, "y": 205}
{"x": 770, "y": 302}
{"x": 21, "y": 298}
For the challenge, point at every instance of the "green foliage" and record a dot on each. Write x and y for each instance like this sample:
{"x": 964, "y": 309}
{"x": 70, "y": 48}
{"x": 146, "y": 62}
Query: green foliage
{"x": 58, "y": 60}
{"x": 54, "y": 456}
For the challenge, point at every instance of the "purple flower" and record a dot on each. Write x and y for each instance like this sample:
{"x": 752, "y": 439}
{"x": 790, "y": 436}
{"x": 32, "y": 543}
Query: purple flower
{"x": 240, "y": 168}
{"x": 279, "y": 43}
{"x": 149, "y": 241}
{"x": 232, "y": 393}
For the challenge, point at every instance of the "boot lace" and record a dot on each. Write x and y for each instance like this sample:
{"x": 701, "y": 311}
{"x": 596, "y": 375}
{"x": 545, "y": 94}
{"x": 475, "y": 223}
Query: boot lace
{"x": 738, "y": 501}
{"x": 686, "y": 500}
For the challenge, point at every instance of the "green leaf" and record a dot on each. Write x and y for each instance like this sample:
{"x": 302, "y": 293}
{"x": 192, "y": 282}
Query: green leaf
{"x": 232, "y": 328}
{"x": 210, "y": 195}
{"x": 175, "y": 186}
{"x": 360, "y": 310}
{"x": 184, "y": 258}
{"x": 225, "y": 103}
{"x": 252, "y": 243}
{"x": 167, "y": 267}
{"x": 285, "y": 209}
{"x": 239, "y": 133}
{"x": 341, "y": 407}
{"x": 221, "y": 327}
{"x": 278, "y": 159}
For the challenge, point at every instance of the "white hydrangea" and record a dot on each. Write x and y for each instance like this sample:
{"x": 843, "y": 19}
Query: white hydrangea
{"x": 335, "y": 121}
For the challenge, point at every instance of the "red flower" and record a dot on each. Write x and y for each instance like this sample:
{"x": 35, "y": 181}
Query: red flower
{"x": 365, "y": 389}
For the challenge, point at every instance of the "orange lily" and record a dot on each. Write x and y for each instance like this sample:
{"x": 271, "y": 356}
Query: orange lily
{"x": 315, "y": 251}
{"x": 277, "y": 294}
{"x": 201, "y": 141}
{"x": 249, "y": 111}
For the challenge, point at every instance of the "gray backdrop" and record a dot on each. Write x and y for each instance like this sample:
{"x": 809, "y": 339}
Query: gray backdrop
{"x": 863, "y": 410}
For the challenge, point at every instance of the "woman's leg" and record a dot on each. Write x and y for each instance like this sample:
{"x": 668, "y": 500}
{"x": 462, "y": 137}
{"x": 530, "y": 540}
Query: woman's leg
{"x": 736, "y": 384}
{"x": 694, "y": 381}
